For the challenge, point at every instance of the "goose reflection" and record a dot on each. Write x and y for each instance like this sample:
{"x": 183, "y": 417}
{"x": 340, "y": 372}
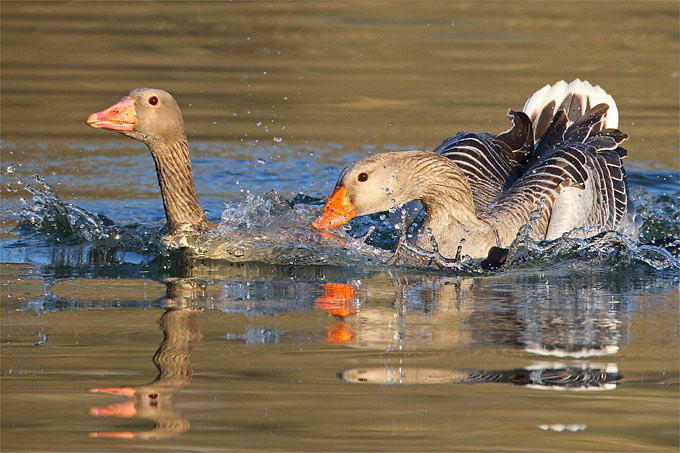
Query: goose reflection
{"x": 156, "y": 401}
{"x": 540, "y": 375}
{"x": 564, "y": 317}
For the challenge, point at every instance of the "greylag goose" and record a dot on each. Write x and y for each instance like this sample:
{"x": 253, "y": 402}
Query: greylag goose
{"x": 152, "y": 116}
{"x": 559, "y": 166}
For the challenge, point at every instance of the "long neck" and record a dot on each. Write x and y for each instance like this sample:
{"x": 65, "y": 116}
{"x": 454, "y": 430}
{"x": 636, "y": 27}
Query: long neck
{"x": 173, "y": 167}
{"x": 447, "y": 197}
{"x": 441, "y": 186}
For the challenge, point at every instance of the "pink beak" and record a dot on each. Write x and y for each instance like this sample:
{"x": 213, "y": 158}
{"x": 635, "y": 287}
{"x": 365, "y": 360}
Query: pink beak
{"x": 119, "y": 117}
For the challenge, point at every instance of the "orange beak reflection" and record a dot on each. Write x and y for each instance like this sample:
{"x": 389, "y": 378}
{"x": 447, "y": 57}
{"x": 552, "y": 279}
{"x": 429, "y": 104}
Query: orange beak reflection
{"x": 339, "y": 333}
{"x": 119, "y": 117}
{"x": 338, "y": 210}
{"x": 337, "y": 299}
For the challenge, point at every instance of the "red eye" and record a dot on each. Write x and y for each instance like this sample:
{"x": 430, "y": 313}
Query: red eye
{"x": 153, "y": 100}
{"x": 362, "y": 177}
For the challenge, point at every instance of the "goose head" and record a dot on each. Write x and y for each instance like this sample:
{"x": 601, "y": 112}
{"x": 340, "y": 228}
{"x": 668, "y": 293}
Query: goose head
{"x": 146, "y": 114}
{"x": 152, "y": 116}
{"x": 373, "y": 184}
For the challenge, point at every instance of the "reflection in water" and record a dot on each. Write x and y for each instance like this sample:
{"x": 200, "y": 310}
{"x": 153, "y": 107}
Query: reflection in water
{"x": 559, "y": 427}
{"x": 337, "y": 299}
{"x": 540, "y": 375}
{"x": 569, "y": 317}
{"x": 565, "y": 311}
{"x": 156, "y": 400}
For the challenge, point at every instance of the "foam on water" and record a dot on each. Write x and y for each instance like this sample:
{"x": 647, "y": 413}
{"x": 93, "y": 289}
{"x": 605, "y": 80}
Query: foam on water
{"x": 269, "y": 229}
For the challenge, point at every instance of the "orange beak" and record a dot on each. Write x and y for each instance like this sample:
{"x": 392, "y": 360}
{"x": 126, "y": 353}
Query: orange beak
{"x": 338, "y": 210}
{"x": 119, "y": 117}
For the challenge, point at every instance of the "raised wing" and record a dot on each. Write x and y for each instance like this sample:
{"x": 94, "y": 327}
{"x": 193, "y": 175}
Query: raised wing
{"x": 582, "y": 157}
{"x": 491, "y": 163}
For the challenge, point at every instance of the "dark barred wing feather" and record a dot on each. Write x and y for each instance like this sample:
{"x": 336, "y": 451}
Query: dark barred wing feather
{"x": 582, "y": 156}
{"x": 491, "y": 163}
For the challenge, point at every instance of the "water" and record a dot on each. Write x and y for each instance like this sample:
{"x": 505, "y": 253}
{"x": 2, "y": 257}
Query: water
{"x": 310, "y": 343}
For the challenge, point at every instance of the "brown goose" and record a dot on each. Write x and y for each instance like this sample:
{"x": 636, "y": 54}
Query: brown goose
{"x": 152, "y": 116}
{"x": 480, "y": 189}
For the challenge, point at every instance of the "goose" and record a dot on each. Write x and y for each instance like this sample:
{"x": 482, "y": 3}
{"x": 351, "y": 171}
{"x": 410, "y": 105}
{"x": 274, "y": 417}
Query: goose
{"x": 153, "y": 117}
{"x": 558, "y": 168}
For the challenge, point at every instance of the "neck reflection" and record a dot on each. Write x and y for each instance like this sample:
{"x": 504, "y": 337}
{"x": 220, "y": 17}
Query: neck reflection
{"x": 155, "y": 401}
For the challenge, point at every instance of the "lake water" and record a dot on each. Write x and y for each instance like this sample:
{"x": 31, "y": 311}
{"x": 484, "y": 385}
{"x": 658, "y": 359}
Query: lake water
{"x": 108, "y": 345}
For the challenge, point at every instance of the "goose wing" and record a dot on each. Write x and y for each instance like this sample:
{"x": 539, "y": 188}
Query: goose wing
{"x": 491, "y": 163}
{"x": 575, "y": 178}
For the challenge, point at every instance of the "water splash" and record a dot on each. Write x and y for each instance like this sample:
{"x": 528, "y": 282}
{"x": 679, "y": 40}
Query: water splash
{"x": 269, "y": 229}
{"x": 64, "y": 222}
{"x": 605, "y": 248}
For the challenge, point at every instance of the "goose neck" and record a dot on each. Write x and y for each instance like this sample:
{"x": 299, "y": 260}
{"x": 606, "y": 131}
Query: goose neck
{"x": 173, "y": 167}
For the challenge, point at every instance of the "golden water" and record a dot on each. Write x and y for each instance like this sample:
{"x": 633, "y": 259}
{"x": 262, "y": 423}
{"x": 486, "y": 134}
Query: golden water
{"x": 344, "y": 79}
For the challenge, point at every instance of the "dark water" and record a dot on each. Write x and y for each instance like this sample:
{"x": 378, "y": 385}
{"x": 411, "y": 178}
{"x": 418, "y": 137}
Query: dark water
{"x": 307, "y": 343}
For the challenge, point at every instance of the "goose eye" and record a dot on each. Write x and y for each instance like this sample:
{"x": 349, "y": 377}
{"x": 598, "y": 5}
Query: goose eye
{"x": 362, "y": 177}
{"x": 153, "y": 100}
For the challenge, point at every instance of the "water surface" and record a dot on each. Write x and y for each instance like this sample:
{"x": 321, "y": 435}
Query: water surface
{"x": 572, "y": 346}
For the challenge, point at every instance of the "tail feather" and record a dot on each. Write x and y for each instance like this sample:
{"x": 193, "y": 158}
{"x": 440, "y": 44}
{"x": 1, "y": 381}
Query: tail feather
{"x": 575, "y": 99}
